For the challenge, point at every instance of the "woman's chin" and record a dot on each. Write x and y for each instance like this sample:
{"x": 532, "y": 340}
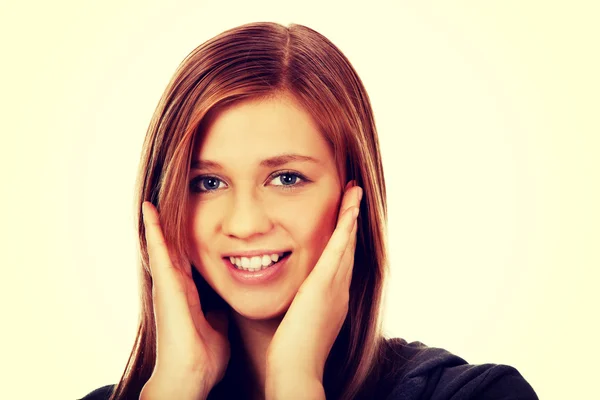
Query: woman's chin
{"x": 258, "y": 311}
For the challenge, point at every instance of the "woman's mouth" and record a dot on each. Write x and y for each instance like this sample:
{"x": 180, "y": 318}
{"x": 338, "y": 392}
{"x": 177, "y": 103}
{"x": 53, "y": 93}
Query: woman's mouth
{"x": 257, "y": 263}
{"x": 251, "y": 273}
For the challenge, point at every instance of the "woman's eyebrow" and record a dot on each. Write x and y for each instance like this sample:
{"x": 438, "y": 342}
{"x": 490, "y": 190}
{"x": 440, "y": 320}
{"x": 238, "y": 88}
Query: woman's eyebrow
{"x": 272, "y": 162}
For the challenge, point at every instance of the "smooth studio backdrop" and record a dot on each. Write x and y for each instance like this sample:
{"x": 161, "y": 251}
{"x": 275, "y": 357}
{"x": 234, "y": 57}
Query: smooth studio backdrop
{"x": 488, "y": 119}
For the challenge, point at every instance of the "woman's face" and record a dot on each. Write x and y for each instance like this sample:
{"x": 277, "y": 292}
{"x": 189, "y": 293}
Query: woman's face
{"x": 242, "y": 198}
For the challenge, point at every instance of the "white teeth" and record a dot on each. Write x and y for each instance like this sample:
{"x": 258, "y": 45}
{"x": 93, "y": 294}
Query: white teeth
{"x": 255, "y": 263}
{"x": 265, "y": 261}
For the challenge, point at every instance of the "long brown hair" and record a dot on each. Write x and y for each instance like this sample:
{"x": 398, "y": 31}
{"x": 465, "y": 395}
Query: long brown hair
{"x": 254, "y": 61}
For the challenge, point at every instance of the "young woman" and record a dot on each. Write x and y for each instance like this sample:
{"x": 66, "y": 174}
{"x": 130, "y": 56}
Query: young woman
{"x": 262, "y": 226}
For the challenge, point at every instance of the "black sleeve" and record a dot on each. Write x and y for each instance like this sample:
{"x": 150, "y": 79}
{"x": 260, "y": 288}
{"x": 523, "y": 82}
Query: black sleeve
{"x": 483, "y": 382}
{"x": 465, "y": 382}
{"x": 509, "y": 385}
{"x": 102, "y": 393}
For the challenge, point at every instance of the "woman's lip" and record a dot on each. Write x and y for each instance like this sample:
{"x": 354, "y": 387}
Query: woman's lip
{"x": 257, "y": 277}
{"x": 285, "y": 254}
{"x": 253, "y": 253}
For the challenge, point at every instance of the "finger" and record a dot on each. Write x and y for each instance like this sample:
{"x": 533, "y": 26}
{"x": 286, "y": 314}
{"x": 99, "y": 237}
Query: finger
{"x": 157, "y": 246}
{"x": 344, "y": 271}
{"x": 350, "y": 270}
{"x": 329, "y": 262}
{"x": 351, "y": 193}
{"x": 346, "y": 262}
{"x": 352, "y": 197}
{"x": 349, "y": 185}
{"x": 158, "y": 254}
{"x": 170, "y": 297}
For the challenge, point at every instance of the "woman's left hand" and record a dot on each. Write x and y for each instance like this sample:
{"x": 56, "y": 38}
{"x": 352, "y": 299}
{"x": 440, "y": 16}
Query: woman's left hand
{"x": 298, "y": 351}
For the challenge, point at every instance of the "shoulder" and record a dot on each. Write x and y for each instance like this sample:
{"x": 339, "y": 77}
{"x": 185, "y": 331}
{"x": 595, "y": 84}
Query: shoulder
{"x": 415, "y": 371}
{"x": 102, "y": 393}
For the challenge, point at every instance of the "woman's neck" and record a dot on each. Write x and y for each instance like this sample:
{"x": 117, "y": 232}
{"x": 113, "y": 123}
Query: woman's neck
{"x": 255, "y": 337}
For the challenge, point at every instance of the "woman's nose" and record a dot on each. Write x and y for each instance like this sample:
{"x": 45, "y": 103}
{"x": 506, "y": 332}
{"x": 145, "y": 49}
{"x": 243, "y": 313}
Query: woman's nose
{"x": 245, "y": 217}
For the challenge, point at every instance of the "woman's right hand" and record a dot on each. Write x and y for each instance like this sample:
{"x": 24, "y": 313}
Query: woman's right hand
{"x": 192, "y": 351}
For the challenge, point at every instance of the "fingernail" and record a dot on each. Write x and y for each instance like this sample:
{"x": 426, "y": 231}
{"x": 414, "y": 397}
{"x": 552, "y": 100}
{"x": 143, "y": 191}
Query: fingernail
{"x": 360, "y": 194}
{"x": 144, "y": 212}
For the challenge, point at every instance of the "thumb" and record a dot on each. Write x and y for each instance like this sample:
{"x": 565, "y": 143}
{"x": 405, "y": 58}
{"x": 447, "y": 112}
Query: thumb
{"x": 219, "y": 320}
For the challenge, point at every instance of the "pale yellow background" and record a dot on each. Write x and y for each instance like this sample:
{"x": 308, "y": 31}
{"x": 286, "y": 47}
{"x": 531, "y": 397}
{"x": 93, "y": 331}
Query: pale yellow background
{"x": 489, "y": 124}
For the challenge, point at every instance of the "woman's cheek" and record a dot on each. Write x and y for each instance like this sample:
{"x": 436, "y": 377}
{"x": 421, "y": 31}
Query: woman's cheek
{"x": 317, "y": 227}
{"x": 199, "y": 225}
{"x": 326, "y": 225}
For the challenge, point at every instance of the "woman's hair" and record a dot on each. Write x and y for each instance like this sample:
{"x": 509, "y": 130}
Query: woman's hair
{"x": 261, "y": 60}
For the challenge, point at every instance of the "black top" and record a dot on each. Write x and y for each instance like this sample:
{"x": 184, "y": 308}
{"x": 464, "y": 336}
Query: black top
{"x": 418, "y": 372}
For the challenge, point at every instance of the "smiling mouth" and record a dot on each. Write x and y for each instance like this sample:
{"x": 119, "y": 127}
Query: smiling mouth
{"x": 255, "y": 263}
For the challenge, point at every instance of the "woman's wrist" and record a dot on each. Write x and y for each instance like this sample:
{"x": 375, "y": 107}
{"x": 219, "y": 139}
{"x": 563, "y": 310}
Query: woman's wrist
{"x": 293, "y": 386}
{"x": 158, "y": 388}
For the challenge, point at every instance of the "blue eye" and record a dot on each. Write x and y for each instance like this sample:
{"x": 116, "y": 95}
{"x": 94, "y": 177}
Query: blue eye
{"x": 287, "y": 180}
{"x": 205, "y": 184}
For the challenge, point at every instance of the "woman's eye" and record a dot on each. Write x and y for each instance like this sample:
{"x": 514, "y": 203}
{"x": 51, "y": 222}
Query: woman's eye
{"x": 285, "y": 180}
{"x": 205, "y": 184}
{"x": 288, "y": 179}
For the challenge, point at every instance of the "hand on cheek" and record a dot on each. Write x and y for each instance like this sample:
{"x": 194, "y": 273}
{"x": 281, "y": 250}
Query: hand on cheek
{"x": 192, "y": 350}
{"x": 306, "y": 335}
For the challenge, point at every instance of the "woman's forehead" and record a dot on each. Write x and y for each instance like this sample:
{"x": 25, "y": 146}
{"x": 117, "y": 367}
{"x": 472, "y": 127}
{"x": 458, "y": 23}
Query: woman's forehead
{"x": 261, "y": 129}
